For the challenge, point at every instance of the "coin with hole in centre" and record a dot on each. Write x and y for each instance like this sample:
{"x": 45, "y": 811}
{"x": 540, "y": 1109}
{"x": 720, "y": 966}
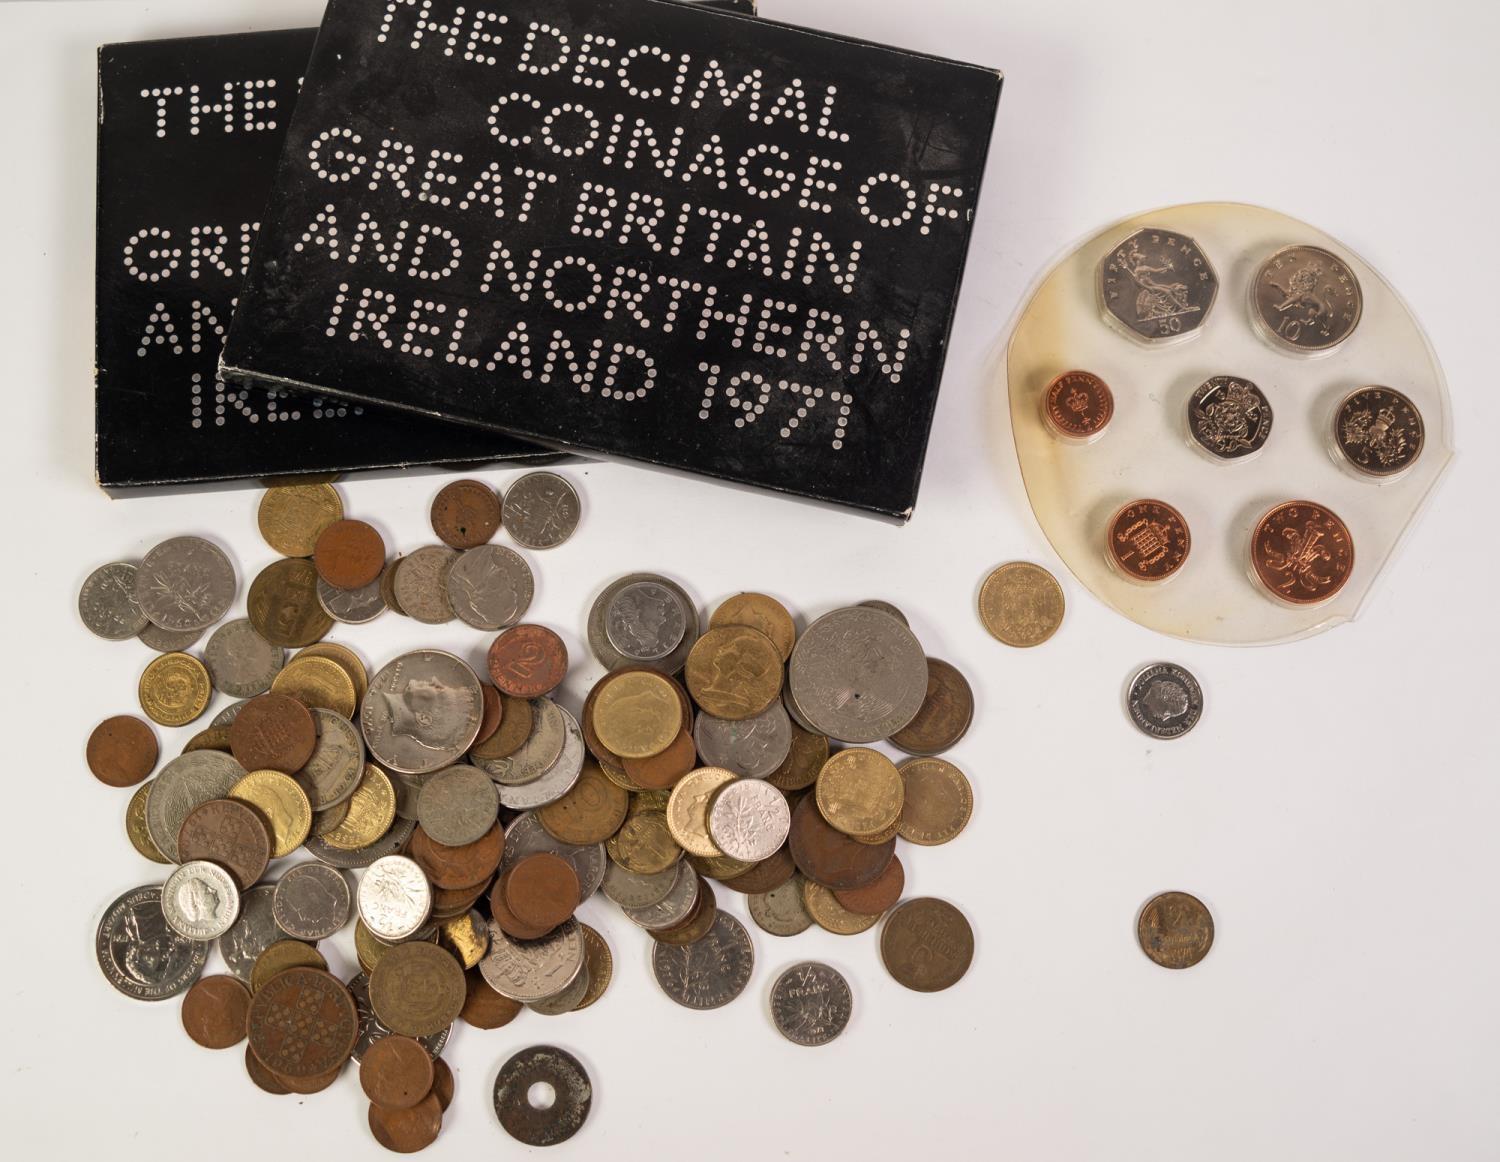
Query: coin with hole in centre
{"x": 542, "y": 1095}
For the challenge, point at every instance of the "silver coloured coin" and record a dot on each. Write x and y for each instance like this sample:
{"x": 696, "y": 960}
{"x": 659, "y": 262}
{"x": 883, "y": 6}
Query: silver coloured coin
{"x": 781, "y": 911}
{"x": 886, "y": 607}
{"x": 139, "y": 954}
{"x": 752, "y": 748}
{"x": 388, "y": 844}
{"x": 490, "y": 587}
{"x": 532, "y": 970}
{"x": 371, "y": 1029}
{"x": 645, "y": 621}
{"x": 794, "y": 711}
{"x": 811, "y": 1003}
{"x": 200, "y": 900}
{"x": 1305, "y": 298}
{"x": 166, "y": 641}
{"x": 711, "y": 971}
{"x": 632, "y": 889}
{"x": 540, "y": 511}
{"x": 1229, "y": 417}
{"x": 1157, "y": 285}
{"x": 749, "y": 820}
{"x": 312, "y": 901}
{"x": 534, "y": 1124}
{"x": 598, "y": 635}
{"x": 185, "y": 583}
{"x": 395, "y": 898}
{"x": 338, "y": 761}
{"x": 240, "y": 661}
{"x": 556, "y": 781}
{"x": 186, "y": 783}
{"x": 421, "y": 584}
{"x": 107, "y": 604}
{"x": 1164, "y": 701}
{"x": 858, "y": 675}
{"x": 352, "y": 606}
{"x": 254, "y": 931}
{"x": 567, "y": 1000}
{"x": 407, "y": 788}
{"x": 526, "y": 836}
{"x": 422, "y": 712}
{"x": 673, "y": 908}
{"x": 457, "y": 805}
{"x": 538, "y": 754}
{"x": 229, "y": 713}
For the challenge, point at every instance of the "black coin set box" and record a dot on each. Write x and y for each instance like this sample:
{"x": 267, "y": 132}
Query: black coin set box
{"x": 627, "y": 228}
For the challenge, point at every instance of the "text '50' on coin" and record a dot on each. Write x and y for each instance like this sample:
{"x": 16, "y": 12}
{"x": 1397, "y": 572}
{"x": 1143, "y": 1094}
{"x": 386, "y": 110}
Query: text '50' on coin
{"x": 1157, "y": 285}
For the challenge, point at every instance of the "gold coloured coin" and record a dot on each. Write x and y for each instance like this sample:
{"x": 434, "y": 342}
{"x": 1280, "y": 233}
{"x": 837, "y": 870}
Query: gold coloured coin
{"x": 282, "y": 955}
{"x": 367, "y": 948}
{"x": 600, "y": 966}
{"x": 317, "y": 683}
{"x": 637, "y": 714}
{"x": 329, "y": 818}
{"x": 282, "y": 804}
{"x": 648, "y": 801}
{"x": 174, "y": 689}
{"x": 466, "y": 936}
{"x": 734, "y": 672}
{"x": 859, "y": 792}
{"x": 371, "y": 811}
{"x": 721, "y": 868}
{"x": 135, "y": 826}
{"x": 283, "y": 603}
{"x": 620, "y": 778}
{"x": 1021, "y": 604}
{"x": 687, "y": 809}
{"x": 938, "y": 802}
{"x": 803, "y": 761}
{"x": 644, "y": 845}
{"x": 759, "y": 612}
{"x": 292, "y": 516}
{"x": 832, "y": 916}
{"x": 590, "y": 813}
{"x": 213, "y": 738}
{"x": 880, "y": 837}
{"x": 348, "y": 661}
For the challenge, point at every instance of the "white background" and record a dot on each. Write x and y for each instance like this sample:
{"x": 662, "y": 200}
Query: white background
{"x": 1336, "y": 809}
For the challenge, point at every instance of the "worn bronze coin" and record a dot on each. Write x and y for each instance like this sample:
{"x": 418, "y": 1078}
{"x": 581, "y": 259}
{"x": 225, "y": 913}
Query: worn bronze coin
{"x": 590, "y": 813}
{"x": 121, "y": 751}
{"x": 1175, "y": 930}
{"x": 859, "y": 791}
{"x": 938, "y": 803}
{"x": 830, "y": 857}
{"x": 262, "y": 1077}
{"x": 454, "y": 868}
{"x": 1301, "y": 552}
{"x": 768, "y": 875}
{"x": 315, "y": 1084}
{"x": 489, "y": 713}
{"x": 174, "y": 689}
{"x": 1148, "y": 540}
{"x": 283, "y": 603}
{"x": 878, "y": 897}
{"x": 229, "y": 833}
{"x": 214, "y": 1011}
{"x": 1021, "y": 604}
{"x": 273, "y": 732}
{"x": 734, "y": 672}
{"x": 291, "y": 516}
{"x": 302, "y": 1023}
{"x": 211, "y": 738}
{"x": 803, "y": 761}
{"x": 282, "y": 956}
{"x": 396, "y": 1072}
{"x": 442, "y": 1083}
{"x": 661, "y": 771}
{"x": 944, "y": 716}
{"x": 484, "y": 1008}
{"x": 466, "y": 514}
{"x": 512, "y": 732}
{"x": 760, "y": 612}
{"x": 927, "y": 944}
{"x": 409, "y": 1130}
{"x": 1078, "y": 405}
{"x": 417, "y": 989}
{"x": 349, "y": 554}
{"x": 542, "y": 890}
{"x": 507, "y": 920}
{"x": 527, "y": 661}
{"x": 283, "y": 807}
{"x": 598, "y": 963}
{"x": 317, "y": 683}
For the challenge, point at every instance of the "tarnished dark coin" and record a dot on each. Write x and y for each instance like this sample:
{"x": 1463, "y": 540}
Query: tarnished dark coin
{"x": 542, "y": 890}
{"x": 1078, "y": 405}
{"x": 1148, "y": 540}
{"x": 780, "y": 911}
{"x": 876, "y": 898}
{"x": 711, "y": 971}
{"x": 214, "y": 1011}
{"x": 349, "y": 554}
{"x": 927, "y": 944}
{"x": 273, "y": 732}
{"x": 1175, "y": 930}
{"x": 768, "y": 874}
{"x": 490, "y": 586}
{"x": 1306, "y": 298}
{"x": 302, "y": 1023}
{"x": 484, "y": 1008}
{"x": 231, "y": 834}
{"x": 465, "y": 514}
{"x": 1378, "y": 430}
{"x": 121, "y": 751}
{"x": 396, "y": 1072}
{"x": 1229, "y": 417}
{"x": 527, "y": 661}
{"x": 541, "y": 510}
{"x": 536, "y": 1071}
{"x": 945, "y": 714}
{"x": 263, "y": 1078}
{"x": 452, "y": 868}
{"x": 1301, "y": 552}
{"x": 241, "y": 663}
{"x": 831, "y": 858}
{"x": 283, "y": 603}
{"x": 937, "y": 804}
{"x": 1164, "y": 701}
{"x": 811, "y": 1003}
{"x": 1157, "y": 284}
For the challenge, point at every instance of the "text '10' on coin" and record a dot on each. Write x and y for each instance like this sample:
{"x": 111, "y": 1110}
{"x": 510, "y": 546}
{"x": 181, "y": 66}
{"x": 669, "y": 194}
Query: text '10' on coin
{"x": 1306, "y": 299}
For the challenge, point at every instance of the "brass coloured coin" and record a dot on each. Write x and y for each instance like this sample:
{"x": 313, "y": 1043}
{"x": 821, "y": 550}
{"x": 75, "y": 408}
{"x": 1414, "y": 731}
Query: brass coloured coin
{"x": 859, "y": 792}
{"x": 1175, "y": 930}
{"x": 1021, "y": 604}
{"x": 174, "y": 689}
{"x": 292, "y": 516}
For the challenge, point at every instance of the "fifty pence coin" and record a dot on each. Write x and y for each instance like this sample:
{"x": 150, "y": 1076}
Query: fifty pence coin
{"x": 541, "y": 510}
{"x": 1229, "y": 418}
{"x": 395, "y": 898}
{"x": 1158, "y": 285}
{"x": 711, "y": 971}
{"x": 490, "y": 587}
{"x": 1164, "y": 701}
{"x": 240, "y": 661}
{"x": 312, "y": 901}
{"x": 107, "y": 603}
{"x": 200, "y": 900}
{"x": 542, "y": 1069}
{"x": 1378, "y": 431}
{"x": 858, "y": 675}
{"x": 1306, "y": 299}
{"x": 811, "y": 1003}
{"x": 139, "y": 954}
{"x": 422, "y": 712}
{"x": 185, "y": 583}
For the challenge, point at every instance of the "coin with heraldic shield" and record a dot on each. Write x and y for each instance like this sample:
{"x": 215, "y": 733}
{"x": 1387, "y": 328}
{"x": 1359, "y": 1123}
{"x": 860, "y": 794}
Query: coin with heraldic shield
{"x": 422, "y": 712}
{"x": 811, "y": 1003}
{"x": 1229, "y": 417}
{"x": 1021, "y": 604}
{"x": 1158, "y": 285}
{"x": 542, "y": 1123}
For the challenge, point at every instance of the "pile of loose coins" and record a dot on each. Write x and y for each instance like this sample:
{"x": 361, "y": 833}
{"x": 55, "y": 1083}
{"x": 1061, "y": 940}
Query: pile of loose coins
{"x": 481, "y": 813}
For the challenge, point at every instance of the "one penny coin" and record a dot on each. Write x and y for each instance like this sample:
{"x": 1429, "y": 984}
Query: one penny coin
{"x": 409, "y": 1130}
{"x": 944, "y": 716}
{"x": 927, "y": 944}
{"x": 542, "y": 890}
{"x": 466, "y": 514}
{"x": 1301, "y": 552}
{"x": 878, "y": 897}
{"x": 273, "y": 732}
{"x": 830, "y": 857}
{"x": 229, "y": 833}
{"x": 214, "y": 1011}
{"x": 1078, "y": 405}
{"x": 396, "y": 1072}
{"x": 1148, "y": 540}
{"x": 349, "y": 554}
{"x": 121, "y": 751}
{"x": 527, "y": 661}
{"x": 1175, "y": 930}
{"x": 484, "y": 1008}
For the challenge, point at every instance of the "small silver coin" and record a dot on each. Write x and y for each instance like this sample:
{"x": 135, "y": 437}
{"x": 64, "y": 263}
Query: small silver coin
{"x": 557, "y": 780}
{"x": 421, "y": 584}
{"x": 540, "y": 511}
{"x": 229, "y": 713}
{"x": 139, "y": 953}
{"x": 525, "y": 836}
{"x": 457, "y": 805}
{"x": 749, "y": 820}
{"x": 166, "y": 641}
{"x": 598, "y": 634}
{"x": 200, "y": 900}
{"x": 780, "y": 911}
{"x": 857, "y": 675}
{"x": 567, "y": 1000}
{"x": 184, "y": 784}
{"x": 395, "y": 898}
{"x": 352, "y": 606}
{"x": 645, "y": 621}
{"x": 1157, "y": 284}
{"x": 1229, "y": 417}
{"x": 254, "y": 931}
{"x": 633, "y": 889}
{"x": 542, "y": 1123}
{"x": 185, "y": 583}
{"x": 422, "y": 712}
{"x": 1164, "y": 701}
{"x": 240, "y": 661}
{"x": 107, "y": 604}
{"x": 312, "y": 901}
{"x": 711, "y": 971}
{"x": 490, "y": 587}
{"x": 811, "y": 1003}
{"x": 538, "y": 754}
{"x": 1306, "y": 299}
{"x": 388, "y": 844}
{"x": 532, "y": 970}
{"x": 674, "y": 907}
{"x": 338, "y": 761}
{"x": 752, "y": 747}
{"x": 372, "y": 1030}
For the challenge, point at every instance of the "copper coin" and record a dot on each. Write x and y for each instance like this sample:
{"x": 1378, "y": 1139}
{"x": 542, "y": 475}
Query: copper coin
{"x": 303, "y": 1023}
{"x": 349, "y": 554}
{"x": 310, "y": 1085}
{"x": 1378, "y": 431}
{"x": 466, "y": 514}
{"x": 768, "y": 875}
{"x": 831, "y": 858}
{"x": 121, "y": 751}
{"x": 214, "y": 1011}
{"x": 273, "y": 732}
{"x": 542, "y": 890}
{"x": 512, "y": 732}
{"x": 527, "y": 661}
{"x": 509, "y": 923}
{"x": 1301, "y": 552}
{"x": 880, "y": 896}
{"x": 263, "y": 1077}
{"x": 442, "y": 1083}
{"x": 1148, "y": 540}
{"x": 484, "y": 1008}
{"x": 454, "y": 868}
{"x": 229, "y": 833}
{"x": 944, "y": 715}
{"x": 490, "y": 713}
{"x": 590, "y": 813}
{"x": 410, "y": 1130}
{"x": 1078, "y": 405}
{"x": 396, "y": 1072}
{"x": 661, "y": 771}
{"x": 927, "y": 944}
{"x": 1175, "y": 930}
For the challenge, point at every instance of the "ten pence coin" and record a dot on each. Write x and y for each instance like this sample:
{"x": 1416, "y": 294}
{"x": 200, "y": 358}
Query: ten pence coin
{"x": 927, "y": 944}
